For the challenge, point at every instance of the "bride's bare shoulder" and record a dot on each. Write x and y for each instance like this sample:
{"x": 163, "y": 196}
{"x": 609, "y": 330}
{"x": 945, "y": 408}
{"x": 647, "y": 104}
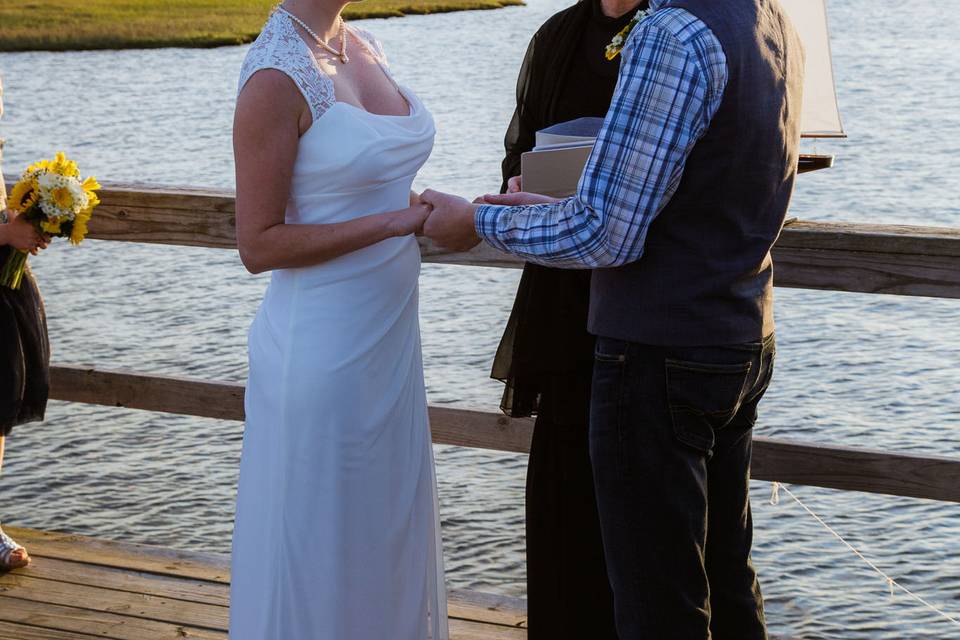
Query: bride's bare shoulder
{"x": 370, "y": 42}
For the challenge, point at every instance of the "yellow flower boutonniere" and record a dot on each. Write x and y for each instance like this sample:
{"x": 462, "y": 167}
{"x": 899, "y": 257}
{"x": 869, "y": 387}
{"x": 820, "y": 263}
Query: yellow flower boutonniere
{"x": 616, "y": 45}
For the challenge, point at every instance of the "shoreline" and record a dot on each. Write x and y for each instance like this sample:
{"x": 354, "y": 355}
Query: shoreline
{"x": 112, "y": 25}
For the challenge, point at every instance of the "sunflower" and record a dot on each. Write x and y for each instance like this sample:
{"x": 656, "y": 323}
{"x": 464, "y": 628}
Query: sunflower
{"x": 21, "y": 192}
{"x": 64, "y": 167}
{"x": 90, "y": 185}
{"x": 52, "y": 226}
{"x": 79, "y": 230}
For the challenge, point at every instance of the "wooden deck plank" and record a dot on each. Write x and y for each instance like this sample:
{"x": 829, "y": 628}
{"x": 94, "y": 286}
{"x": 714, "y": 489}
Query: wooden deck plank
{"x": 134, "y": 605}
{"x": 459, "y": 630}
{"x": 470, "y": 630}
{"x": 123, "y": 555}
{"x": 73, "y": 623}
{"x": 160, "y": 598}
{"x": 80, "y": 587}
{"x": 180, "y": 588}
{"x": 98, "y": 623}
{"x": 11, "y": 631}
{"x": 467, "y": 605}
{"x": 487, "y": 607}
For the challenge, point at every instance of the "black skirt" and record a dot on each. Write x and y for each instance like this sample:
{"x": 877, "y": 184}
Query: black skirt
{"x": 24, "y": 353}
{"x": 545, "y": 341}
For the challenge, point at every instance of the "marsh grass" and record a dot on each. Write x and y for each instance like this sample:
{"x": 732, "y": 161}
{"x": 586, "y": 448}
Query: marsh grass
{"x": 58, "y": 25}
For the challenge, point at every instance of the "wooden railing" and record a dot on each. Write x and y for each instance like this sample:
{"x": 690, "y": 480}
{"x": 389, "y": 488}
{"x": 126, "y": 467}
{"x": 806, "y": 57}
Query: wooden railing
{"x": 920, "y": 261}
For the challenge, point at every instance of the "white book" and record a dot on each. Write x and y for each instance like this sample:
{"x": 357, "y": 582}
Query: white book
{"x": 556, "y": 163}
{"x": 580, "y": 131}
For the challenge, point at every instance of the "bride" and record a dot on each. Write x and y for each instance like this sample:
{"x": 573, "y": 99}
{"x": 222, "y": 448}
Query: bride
{"x": 337, "y": 530}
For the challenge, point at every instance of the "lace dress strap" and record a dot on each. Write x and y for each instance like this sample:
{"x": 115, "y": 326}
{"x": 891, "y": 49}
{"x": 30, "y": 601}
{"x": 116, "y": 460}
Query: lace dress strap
{"x": 280, "y": 47}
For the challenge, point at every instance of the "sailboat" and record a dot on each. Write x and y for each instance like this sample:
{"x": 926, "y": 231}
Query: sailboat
{"x": 821, "y": 112}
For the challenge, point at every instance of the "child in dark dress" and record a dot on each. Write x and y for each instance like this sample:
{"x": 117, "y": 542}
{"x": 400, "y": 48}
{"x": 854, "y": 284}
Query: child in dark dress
{"x": 24, "y": 347}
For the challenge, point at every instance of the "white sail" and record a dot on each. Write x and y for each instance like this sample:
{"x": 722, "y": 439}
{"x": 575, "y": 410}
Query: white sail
{"x": 821, "y": 115}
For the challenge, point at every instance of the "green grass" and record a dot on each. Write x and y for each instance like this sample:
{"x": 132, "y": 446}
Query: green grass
{"x": 59, "y": 25}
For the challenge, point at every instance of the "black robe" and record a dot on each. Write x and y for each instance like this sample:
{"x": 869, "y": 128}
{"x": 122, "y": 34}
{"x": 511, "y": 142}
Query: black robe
{"x": 546, "y": 355}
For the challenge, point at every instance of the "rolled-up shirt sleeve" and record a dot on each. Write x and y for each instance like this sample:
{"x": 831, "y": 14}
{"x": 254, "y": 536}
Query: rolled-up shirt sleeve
{"x": 671, "y": 83}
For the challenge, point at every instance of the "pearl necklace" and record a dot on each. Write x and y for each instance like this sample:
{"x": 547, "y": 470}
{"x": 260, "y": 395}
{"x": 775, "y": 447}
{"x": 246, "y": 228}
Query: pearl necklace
{"x": 342, "y": 54}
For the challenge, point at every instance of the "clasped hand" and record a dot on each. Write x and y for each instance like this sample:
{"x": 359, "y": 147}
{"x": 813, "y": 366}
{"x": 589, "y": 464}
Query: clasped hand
{"x": 450, "y": 223}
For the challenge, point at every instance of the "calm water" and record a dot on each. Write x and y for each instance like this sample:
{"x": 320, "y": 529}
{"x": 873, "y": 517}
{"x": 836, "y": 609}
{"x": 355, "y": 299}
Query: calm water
{"x": 857, "y": 370}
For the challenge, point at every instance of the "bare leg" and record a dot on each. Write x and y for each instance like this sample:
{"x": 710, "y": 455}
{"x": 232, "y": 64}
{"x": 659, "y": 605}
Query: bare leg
{"x": 18, "y": 557}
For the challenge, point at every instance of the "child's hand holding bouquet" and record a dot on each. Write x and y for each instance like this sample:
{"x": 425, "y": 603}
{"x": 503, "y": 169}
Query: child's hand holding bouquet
{"x": 20, "y": 234}
{"x": 51, "y": 198}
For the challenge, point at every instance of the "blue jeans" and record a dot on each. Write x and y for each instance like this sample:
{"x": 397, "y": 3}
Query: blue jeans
{"x": 671, "y": 432}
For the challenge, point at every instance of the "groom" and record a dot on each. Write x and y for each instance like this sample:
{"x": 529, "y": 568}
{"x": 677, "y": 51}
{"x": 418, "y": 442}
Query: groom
{"x": 677, "y": 209}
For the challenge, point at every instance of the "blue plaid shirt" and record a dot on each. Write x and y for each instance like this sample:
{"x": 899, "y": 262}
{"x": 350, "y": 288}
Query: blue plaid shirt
{"x": 671, "y": 83}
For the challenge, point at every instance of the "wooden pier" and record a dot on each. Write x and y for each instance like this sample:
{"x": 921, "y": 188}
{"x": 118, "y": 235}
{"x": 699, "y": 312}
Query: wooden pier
{"x": 80, "y": 588}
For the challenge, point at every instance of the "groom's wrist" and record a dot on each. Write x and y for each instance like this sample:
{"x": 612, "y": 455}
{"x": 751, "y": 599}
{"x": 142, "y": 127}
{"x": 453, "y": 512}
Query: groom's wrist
{"x": 485, "y": 223}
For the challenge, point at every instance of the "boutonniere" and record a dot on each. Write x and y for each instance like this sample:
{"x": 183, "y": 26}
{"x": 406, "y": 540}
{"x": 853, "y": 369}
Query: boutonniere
{"x": 616, "y": 45}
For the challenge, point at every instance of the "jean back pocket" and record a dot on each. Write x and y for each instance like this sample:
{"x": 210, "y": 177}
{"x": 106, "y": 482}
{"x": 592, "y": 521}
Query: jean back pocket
{"x": 703, "y": 398}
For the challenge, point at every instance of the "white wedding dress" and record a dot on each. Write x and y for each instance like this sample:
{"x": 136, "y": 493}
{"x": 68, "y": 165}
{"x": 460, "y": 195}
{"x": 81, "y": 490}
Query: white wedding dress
{"x": 337, "y": 531}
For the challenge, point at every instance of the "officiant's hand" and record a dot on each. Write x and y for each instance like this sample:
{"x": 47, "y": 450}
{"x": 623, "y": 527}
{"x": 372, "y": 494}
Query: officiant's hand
{"x": 519, "y": 198}
{"x": 451, "y": 225}
{"x": 515, "y": 184}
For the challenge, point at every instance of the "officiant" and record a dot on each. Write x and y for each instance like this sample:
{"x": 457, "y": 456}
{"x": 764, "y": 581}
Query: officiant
{"x": 546, "y": 355}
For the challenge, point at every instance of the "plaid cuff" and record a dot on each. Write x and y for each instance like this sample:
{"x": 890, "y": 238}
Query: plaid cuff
{"x": 485, "y": 221}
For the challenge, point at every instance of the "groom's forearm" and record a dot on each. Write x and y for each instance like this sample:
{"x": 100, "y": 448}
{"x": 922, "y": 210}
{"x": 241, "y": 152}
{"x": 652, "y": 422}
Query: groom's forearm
{"x": 668, "y": 90}
{"x": 564, "y": 234}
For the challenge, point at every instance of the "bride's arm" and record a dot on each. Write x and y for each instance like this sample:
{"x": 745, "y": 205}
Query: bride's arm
{"x": 270, "y": 117}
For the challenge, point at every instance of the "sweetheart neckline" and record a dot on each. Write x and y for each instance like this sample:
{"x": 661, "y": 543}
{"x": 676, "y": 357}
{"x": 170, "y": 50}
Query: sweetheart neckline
{"x": 415, "y": 109}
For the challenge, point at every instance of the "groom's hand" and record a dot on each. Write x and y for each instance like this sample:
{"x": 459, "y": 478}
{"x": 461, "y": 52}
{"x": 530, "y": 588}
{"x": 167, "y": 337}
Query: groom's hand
{"x": 451, "y": 225}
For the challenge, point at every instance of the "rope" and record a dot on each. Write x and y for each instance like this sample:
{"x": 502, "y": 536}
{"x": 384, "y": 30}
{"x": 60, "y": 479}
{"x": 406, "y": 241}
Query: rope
{"x": 893, "y": 584}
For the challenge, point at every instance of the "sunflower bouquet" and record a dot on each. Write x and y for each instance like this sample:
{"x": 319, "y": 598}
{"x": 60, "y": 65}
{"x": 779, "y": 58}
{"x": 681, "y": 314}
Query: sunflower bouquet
{"x": 51, "y": 196}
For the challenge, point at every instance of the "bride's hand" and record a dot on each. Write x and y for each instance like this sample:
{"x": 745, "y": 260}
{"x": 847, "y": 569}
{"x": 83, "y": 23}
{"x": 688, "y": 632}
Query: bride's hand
{"x": 409, "y": 220}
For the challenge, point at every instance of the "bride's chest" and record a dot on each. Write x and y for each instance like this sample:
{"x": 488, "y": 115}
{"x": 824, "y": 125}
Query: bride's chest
{"x": 349, "y": 148}
{"x": 363, "y": 83}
